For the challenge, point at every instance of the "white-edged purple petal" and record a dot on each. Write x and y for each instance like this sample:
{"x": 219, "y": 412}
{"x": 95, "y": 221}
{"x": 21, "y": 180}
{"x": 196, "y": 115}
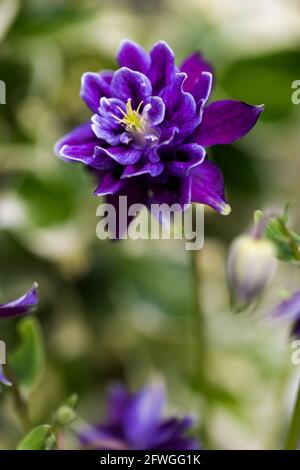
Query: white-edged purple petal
{"x": 94, "y": 86}
{"x": 110, "y": 184}
{"x": 162, "y": 68}
{"x": 105, "y": 124}
{"x": 123, "y": 155}
{"x": 224, "y": 122}
{"x": 128, "y": 83}
{"x": 202, "y": 88}
{"x": 208, "y": 187}
{"x": 181, "y": 110}
{"x": 193, "y": 66}
{"x": 20, "y": 306}
{"x": 154, "y": 111}
{"x": 185, "y": 159}
{"x": 133, "y": 56}
{"x": 140, "y": 168}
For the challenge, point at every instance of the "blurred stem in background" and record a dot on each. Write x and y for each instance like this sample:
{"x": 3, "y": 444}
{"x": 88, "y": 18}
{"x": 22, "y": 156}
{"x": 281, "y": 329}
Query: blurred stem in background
{"x": 19, "y": 401}
{"x": 293, "y": 437}
{"x": 197, "y": 324}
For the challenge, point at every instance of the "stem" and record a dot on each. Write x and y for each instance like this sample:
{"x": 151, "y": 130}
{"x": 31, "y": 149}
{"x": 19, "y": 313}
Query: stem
{"x": 19, "y": 400}
{"x": 293, "y": 437}
{"x": 197, "y": 319}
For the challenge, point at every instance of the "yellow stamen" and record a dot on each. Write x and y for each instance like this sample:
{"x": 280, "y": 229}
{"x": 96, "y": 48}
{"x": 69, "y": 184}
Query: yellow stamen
{"x": 132, "y": 120}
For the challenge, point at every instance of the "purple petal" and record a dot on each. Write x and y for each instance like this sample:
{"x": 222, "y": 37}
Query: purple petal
{"x": 162, "y": 69}
{"x": 94, "y": 86}
{"x": 105, "y": 124}
{"x": 181, "y": 108}
{"x": 208, "y": 187}
{"x": 170, "y": 429}
{"x": 117, "y": 401}
{"x": 21, "y": 306}
{"x": 288, "y": 309}
{"x": 135, "y": 194}
{"x": 224, "y": 122}
{"x": 186, "y": 158}
{"x": 133, "y": 56}
{"x": 143, "y": 415}
{"x": 78, "y": 145}
{"x": 3, "y": 379}
{"x": 123, "y": 155}
{"x": 155, "y": 110}
{"x": 153, "y": 169}
{"x": 170, "y": 191}
{"x": 110, "y": 184}
{"x": 130, "y": 84}
{"x": 202, "y": 88}
{"x": 193, "y": 66}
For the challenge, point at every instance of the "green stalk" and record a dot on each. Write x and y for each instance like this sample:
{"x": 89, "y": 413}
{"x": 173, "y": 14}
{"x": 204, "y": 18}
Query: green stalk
{"x": 293, "y": 437}
{"x": 19, "y": 401}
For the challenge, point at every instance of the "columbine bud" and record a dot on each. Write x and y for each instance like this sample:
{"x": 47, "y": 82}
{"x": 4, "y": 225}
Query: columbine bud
{"x": 250, "y": 267}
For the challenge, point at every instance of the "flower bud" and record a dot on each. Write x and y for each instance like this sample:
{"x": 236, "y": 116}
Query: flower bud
{"x": 251, "y": 265}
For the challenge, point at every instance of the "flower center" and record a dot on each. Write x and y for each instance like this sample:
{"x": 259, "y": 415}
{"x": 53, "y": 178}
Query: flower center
{"x": 132, "y": 120}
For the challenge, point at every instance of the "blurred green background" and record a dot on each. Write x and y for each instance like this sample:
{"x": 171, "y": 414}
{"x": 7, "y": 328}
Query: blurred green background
{"x": 119, "y": 311}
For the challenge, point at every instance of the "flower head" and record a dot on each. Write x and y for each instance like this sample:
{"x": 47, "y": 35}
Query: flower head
{"x": 20, "y": 306}
{"x": 151, "y": 126}
{"x": 289, "y": 310}
{"x": 251, "y": 265}
{"x": 134, "y": 422}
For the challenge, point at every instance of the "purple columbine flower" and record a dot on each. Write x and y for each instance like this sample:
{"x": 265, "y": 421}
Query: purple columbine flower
{"x": 21, "y": 306}
{"x": 289, "y": 310}
{"x": 134, "y": 422}
{"x": 150, "y": 128}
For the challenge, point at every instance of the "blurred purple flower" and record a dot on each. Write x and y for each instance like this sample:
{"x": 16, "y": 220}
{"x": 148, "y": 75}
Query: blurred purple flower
{"x": 289, "y": 310}
{"x": 150, "y": 127}
{"x": 134, "y": 422}
{"x": 21, "y": 306}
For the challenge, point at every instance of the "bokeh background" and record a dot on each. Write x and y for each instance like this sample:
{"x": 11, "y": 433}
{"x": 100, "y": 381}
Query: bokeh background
{"x": 119, "y": 311}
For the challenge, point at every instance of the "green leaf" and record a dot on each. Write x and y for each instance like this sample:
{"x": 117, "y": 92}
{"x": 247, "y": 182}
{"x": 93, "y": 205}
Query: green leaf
{"x": 286, "y": 241}
{"x": 39, "y": 438}
{"x": 28, "y": 360}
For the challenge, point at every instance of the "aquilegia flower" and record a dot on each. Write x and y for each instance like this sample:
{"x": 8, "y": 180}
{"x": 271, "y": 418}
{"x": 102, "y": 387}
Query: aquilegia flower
{"x": 151, "y": 125}
{"x": 21, "y": 306}
{"x": 134, "y": 422}
{"x": 289, "y": 310}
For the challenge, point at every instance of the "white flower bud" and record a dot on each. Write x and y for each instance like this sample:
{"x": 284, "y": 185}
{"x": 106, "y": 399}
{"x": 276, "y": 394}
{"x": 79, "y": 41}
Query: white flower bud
{"x": 250, "y": 268}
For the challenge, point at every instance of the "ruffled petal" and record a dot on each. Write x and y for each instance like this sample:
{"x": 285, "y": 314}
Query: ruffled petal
{"x": 130, "y": 84}
{"x": 133, "y": 56}
{"x": 208, "y": 187}
{"x": 162, "y": 69}
{"x": 187, "y": 157}
{"x": 202, "y": 88}
{"x": 153, "y": 169}
{"x": 94, "y": 86}
{"x": 78, "y": 145}
{"x": 181, "y": 108}
{"x": 110, "y": 184}
{"x": 105, "y": 124}
{"x": 21, "y": 306}
{"x": 122, "y": 155}
{"x": 193, "y": 66}
{"x": 154, "y": 111}
{"x": 226, "y": 121}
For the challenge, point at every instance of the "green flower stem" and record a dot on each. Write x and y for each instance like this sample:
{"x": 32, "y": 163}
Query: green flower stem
{"x": 19, "y": 401}
{"x": 197, "y": 337}
{"x": 293, "y": 437}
